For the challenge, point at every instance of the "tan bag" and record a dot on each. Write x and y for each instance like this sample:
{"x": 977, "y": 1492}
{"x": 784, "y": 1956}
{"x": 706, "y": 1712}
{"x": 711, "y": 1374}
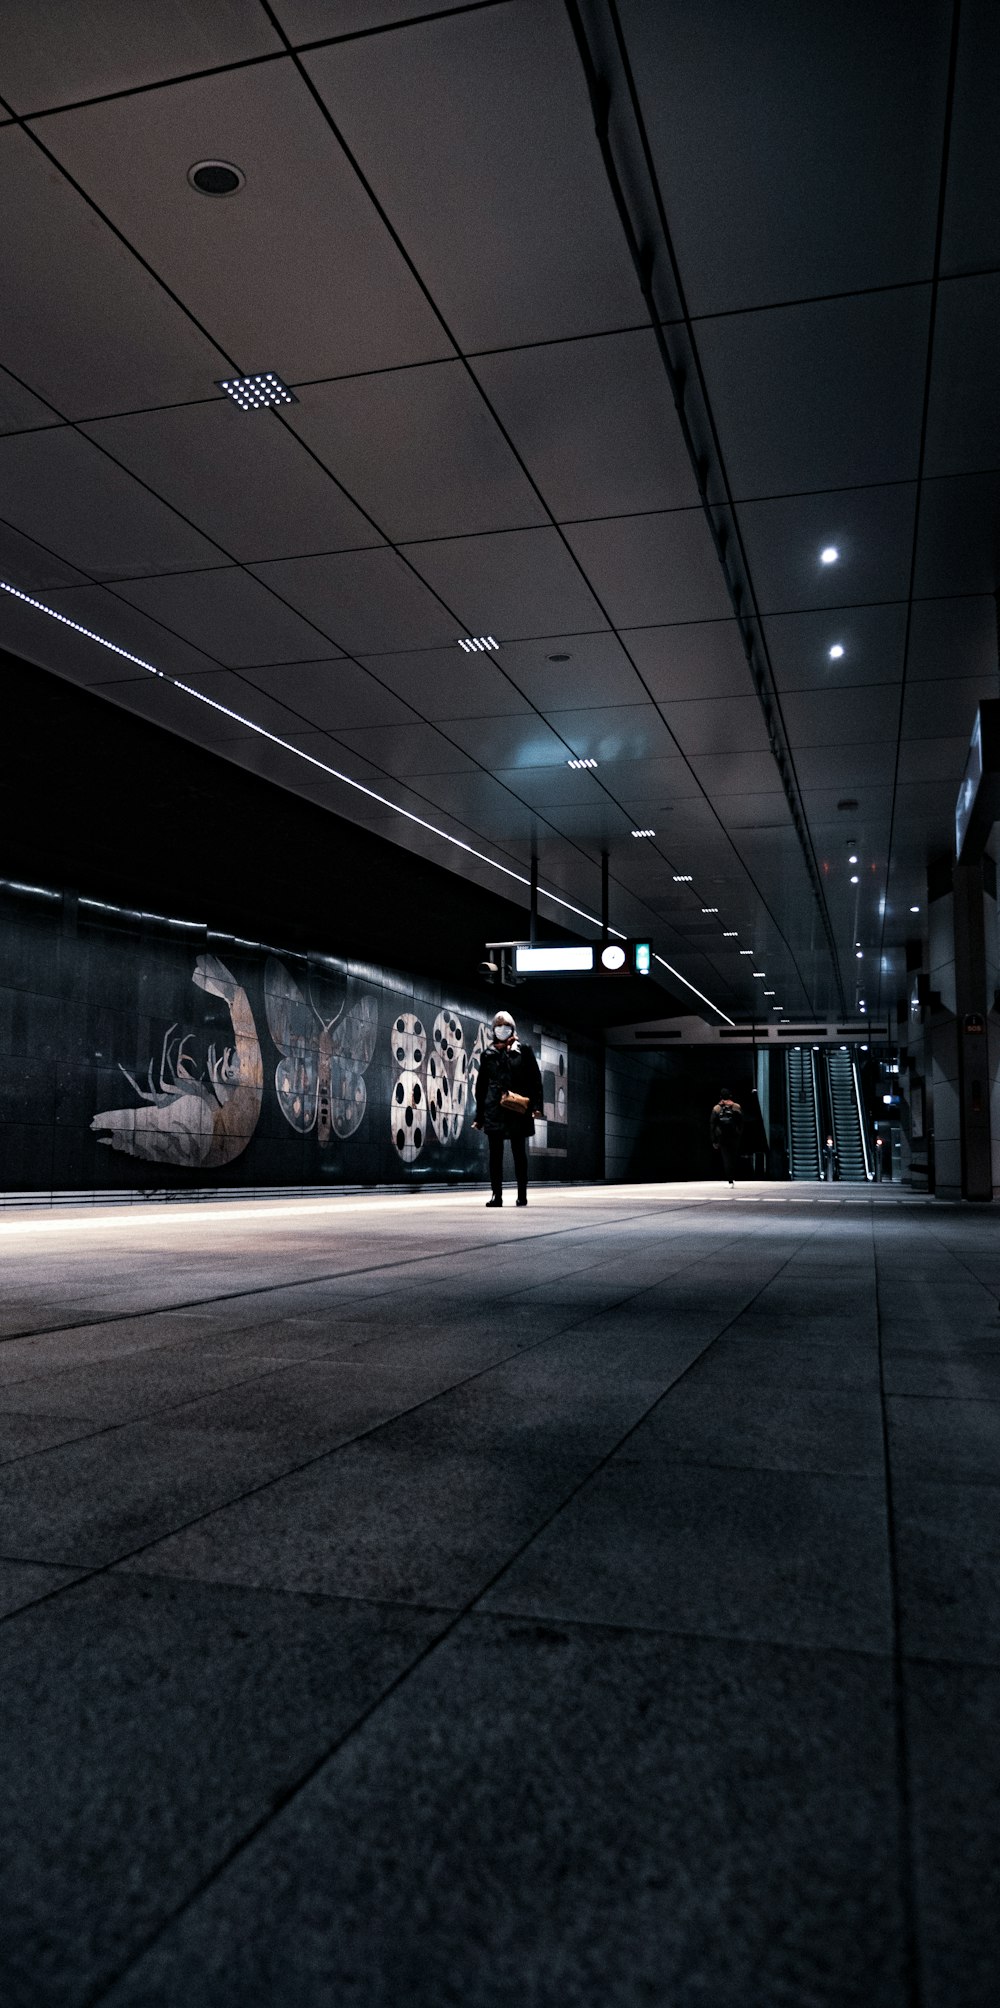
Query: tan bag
{"x": 515, "y": 1105}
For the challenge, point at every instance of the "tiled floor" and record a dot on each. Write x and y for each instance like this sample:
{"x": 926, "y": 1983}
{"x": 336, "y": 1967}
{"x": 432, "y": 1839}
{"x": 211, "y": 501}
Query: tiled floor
{"x": 408, "y": 1606}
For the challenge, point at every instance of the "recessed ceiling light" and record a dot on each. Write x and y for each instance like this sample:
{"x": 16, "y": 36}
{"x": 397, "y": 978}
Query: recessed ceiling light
{"x": 829, "y": 555}
{"x": 581, "y": 763}
{"x": 759, "y": 972}
{"x": 858, "y": 954}
{"x": 914, "y": 909}
{"x": 730, "y": 933}
{"x": 710, "y": 909}
{"x": 769, "y": 993}
{"x": 852, "y": 860}
{"x": 746, "y": 951}
{"x": 854, "y": 878}
{"x": 252, "y": 393}
{"x": 216, "y": 177}
{"x": 477, "y": 643}
{"x": 847, "y": 803}
{"x": 644, "y": 833}
{"x": 558, "y": 658}
{"x": 837, "y": 651}
{"x": 682, "y": 878}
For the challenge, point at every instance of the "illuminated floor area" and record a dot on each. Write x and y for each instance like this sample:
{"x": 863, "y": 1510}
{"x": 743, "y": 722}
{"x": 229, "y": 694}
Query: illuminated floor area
{"x": 406, "y": 1604}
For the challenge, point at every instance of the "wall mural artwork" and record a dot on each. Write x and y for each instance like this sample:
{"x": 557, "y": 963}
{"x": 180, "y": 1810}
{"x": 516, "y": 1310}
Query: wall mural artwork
{"x": 320, "y": 1078}
{"x": 195, "y": 1118}
{"x": 201, "y": 1103}
{"x": 433, "y": 1083}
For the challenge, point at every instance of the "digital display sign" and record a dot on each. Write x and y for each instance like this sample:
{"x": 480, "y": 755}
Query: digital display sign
{"x": 613, "y": 958}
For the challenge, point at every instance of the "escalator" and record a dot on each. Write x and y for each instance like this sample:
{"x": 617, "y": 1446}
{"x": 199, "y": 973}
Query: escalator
{"x": 803, "y": 1114}
{"x": 849, "y": 1134}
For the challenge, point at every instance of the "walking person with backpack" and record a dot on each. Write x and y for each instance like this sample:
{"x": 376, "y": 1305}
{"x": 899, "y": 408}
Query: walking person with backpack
{"x": 726, "y": 1131}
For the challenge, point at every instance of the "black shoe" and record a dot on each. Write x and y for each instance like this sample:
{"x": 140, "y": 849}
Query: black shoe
{"x": 521, "y": 1199}
{"x": 495, "y": 1201}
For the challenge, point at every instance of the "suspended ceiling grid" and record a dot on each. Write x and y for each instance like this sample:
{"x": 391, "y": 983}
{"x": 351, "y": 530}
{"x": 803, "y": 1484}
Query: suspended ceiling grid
{"x": 427, "y": 250}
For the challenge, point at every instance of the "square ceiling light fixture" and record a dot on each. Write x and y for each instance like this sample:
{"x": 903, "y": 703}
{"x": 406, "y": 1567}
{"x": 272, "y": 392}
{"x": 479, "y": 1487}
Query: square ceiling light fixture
{"x": 253, "y": 393}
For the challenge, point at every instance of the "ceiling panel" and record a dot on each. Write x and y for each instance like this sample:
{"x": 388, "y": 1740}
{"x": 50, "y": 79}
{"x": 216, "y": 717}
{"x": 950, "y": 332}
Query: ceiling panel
{"x": 103, "y": 610}
{"x": 577, "y": 669}
{"x": 641, "y": 783}
{"x": 762, "y": 806}
{"x": 807, "y": 105}
{"x": 849, "y": 767}
{"x": 963, "y": 422}
{"x": 827, "y": 717}
{"x": 333, "y": 695}
{"x": 522, "y": 741}
{"x": 699, "y": 659}
{"x": 132, "y": 345}
{"x": 873, "y": 640}
{"x": 338, "y": 295}
{"x": 419, "y": 450}
{"x": 872, "y": 528}
{"x": 230, "y": 615}
{"x": 937, "y": 709}
{"x": 55, "y": 55}
{"x": 20, "y": 409}
{"x": 647, "y": 570}
{"x": 717, "y": 724}
{"x": 553, "y": 786}
{"x": 445, "y": 683}
{"x": 935, "y": 760}
{"x": 315, "y": 20}
{"x": 59, "y": 488}
{"x": 521, "y": 582}
{"x": 29, "y": 566}
{"x": 971, "y": 236}
{"x": 736, "y": 773}
{"x": 616, "y": 733}
{"x": 413, "y": 748}
{"x": 953, "y": 636}
{"x": 364, "y": 600}
{"x": 959, "y": 536}
{"x": 509, "y": 219}
{"x": 241, "y": 476}
{"x": 627, "y": 456}
{"x": 825, "y": 367}
{"x": 480, "y": 801}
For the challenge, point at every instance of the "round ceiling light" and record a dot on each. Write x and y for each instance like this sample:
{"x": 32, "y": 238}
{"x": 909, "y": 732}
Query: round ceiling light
{"x": 216, "y": 177}
{"x": 612, "y": 957}
{"x": 557, "y": 658}
{"x": 829, "y": 555}
{"x": 837, "y": 651}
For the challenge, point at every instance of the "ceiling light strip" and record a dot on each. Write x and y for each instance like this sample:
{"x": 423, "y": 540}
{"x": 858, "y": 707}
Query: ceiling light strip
{"x": 358, "y": 786}
{"x": 691, "y": 986}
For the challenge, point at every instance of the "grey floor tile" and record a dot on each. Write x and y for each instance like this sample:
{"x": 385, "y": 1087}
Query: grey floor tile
{"x": 22, "y": 1435}
{"x": 954, "y": 1762}
{"x": 947, "y": 1375}
{"x": 790, "y": 1363}
{"x": 23, "y": 1583}
{"x": 948, "y": 1539}
{"x": 424, "y": 1511}
{"x": 539, "y": 1816}
{"x": 89, "y": 1502}
{"x": 147, "y": 1727}
{"x": 958, "y": 1441}
{"x": 782, "y": 1429}
{"x": 784, "y": 1557}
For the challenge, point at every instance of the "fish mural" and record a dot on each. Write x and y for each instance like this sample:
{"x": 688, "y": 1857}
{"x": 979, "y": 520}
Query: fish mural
{"x": 195, "y": 1119}
{"x": 325, "y": 1049}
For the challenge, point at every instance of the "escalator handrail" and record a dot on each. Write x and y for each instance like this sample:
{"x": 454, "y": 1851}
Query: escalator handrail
{"x": 862, "y": 1125}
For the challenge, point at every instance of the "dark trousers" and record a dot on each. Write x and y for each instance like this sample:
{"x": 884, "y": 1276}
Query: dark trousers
{"x": 729, "y": 1150}
{"x": 519, "y": 1153}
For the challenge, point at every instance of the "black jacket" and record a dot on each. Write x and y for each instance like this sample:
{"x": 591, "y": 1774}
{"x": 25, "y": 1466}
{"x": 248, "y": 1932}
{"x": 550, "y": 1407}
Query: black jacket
{"x": 726, "y": 1125}
{"x": 508, "y": 1068}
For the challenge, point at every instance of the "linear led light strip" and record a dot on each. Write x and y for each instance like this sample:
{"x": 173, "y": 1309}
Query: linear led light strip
{"x": 336, "y": 775}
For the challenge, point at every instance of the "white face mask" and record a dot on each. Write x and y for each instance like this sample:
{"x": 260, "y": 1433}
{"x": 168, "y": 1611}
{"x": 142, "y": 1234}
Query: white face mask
{"x": 502, "y": 1033}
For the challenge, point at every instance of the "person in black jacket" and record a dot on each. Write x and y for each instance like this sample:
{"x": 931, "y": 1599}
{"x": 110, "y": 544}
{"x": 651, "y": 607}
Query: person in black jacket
{"x": 726, "y": 1130}
{"x": 507, "y": 1068}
